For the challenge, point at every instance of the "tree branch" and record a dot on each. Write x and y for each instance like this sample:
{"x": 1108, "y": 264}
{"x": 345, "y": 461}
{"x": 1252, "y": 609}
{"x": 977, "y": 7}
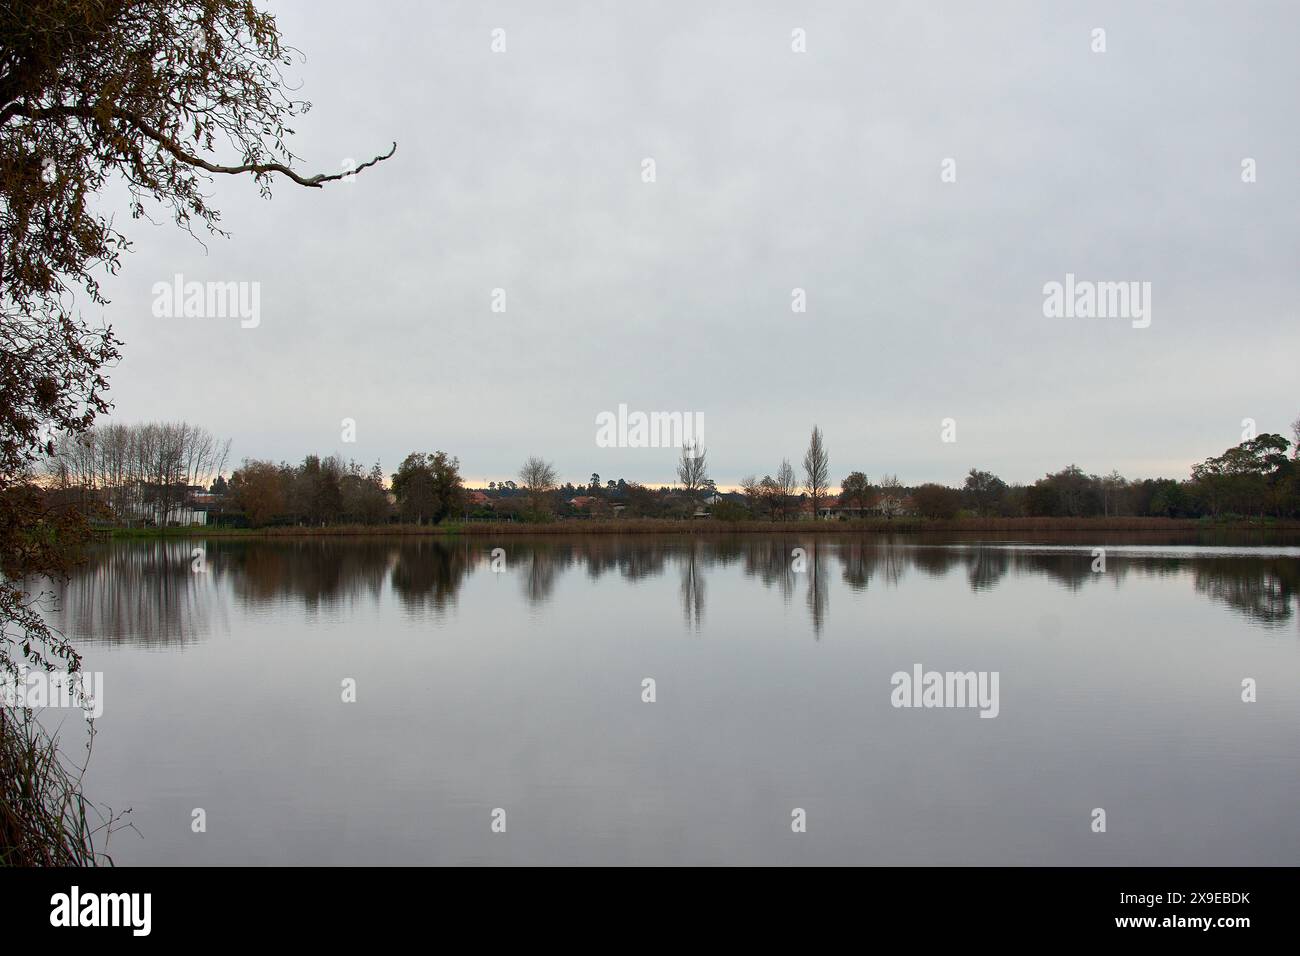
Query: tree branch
{"x": 173, "y": 147}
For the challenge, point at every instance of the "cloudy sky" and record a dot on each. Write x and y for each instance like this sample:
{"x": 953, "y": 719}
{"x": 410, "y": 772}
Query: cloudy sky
{"x": 774, "y": 170}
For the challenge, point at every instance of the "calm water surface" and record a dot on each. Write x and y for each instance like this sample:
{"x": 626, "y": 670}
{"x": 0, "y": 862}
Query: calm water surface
{"x": 521, "y": 689}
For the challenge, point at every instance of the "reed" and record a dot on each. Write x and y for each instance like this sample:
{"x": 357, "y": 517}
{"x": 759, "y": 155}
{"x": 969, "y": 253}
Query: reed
{"x": 45, "y": 820}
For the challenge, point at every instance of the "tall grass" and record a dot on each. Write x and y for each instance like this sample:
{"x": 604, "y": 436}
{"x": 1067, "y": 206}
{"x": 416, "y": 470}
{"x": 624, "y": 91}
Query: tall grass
{"x": 45, "y": 820}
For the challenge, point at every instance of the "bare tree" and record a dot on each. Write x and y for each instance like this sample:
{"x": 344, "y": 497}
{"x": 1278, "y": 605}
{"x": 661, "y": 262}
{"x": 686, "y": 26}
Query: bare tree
{"x": 539, "y": 479}
{"x": 693, "y": 469}
{"x": 1112, "y": 490}
{"x": 784, "y": 488}
{"x": 891, "y": 496}
{"x": 816, "y": 469}
{"x": 137, "y": 471}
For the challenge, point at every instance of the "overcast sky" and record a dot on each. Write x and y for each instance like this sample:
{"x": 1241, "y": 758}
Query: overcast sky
{"x": 821, "y": 170}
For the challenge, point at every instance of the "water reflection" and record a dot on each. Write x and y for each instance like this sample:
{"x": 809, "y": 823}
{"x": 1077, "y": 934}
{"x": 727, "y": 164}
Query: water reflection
{"x": 1267, "y": 595}
{"x": 175, "y": 592}
{"x": 692, "y": 589}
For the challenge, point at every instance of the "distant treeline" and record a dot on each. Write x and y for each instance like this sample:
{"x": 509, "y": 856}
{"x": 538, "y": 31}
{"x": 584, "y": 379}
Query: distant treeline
{"x": 159, "y": 474}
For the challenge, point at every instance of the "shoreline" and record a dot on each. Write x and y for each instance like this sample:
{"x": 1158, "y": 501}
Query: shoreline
{"x": 636, "y": 526}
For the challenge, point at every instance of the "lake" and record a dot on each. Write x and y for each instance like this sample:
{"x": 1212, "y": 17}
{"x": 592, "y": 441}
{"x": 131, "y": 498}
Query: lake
{"x": 510, "y": 689}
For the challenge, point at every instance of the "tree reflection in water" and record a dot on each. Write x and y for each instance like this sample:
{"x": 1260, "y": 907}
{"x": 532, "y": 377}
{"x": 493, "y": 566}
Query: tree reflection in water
{"x": 148, "y": 593}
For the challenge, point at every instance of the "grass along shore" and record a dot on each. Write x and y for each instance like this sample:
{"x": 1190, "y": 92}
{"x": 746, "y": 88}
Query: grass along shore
{"x": 574, "y": 526}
